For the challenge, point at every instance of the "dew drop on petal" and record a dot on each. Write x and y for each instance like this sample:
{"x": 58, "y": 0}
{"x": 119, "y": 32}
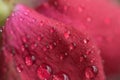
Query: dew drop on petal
{"x": 60, "y": 76}
{"x": 63, "y": 55}
{"x": 80, "y": 9}
{"x": 85, "y": 41}
{"x": 44, "y": 72}
{"x": 55, "y": 3}
{"x": 81, "y": 59}
{"x": 67, "y": 34}
{"x": 20, "y": 68}
{"x": 26, "y": 13}
{"x": 21, "y": 19}
{"x": 89, "y": 19}
{"x": 52, "y": 30}
{"x": 29, "y": 60}
{"x": 41, "y": 23}
{"x": 45, "y": 48}
{"x": 91, "y": 72}
{"x": 33, "y": 46}
{"x": 90, "y": 51}
{"x": 72, "y": 46}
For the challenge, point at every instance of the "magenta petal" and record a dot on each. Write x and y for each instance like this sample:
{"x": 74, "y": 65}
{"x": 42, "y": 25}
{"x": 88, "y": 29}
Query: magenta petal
{"x": 101, "y": 20}
{"x": 45, "y": 49}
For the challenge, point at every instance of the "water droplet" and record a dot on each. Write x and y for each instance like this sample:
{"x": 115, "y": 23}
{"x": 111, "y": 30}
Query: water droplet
{"x": 26, "y": 13}
{"x": 21, "y": 19}
{"x": 55, "y": 3}
{"x": 44, "y": 48}
{"x": 29, "y": 60}
{"x": 24, "y": 39}
{"x": 72, "y": 46}
{"x": 83, "y": 57}
{"x": 41, "y": 23}
{"x": 63, "y": 56}
{"x": 20, "y": 68}
{"x": 92, "y": 60}
{"x": 33, "y": 46}
{"x": 89, "y": 19}
{"x": 33, "y": 20}
{"x": 67, "y": 34}
{"x": 44, "y": 72}
{"x": 60, "y": 76}
{"x": 80, "y": 9}
{"x": 50, "y": 46}
{"x": 85, "y": 41}
{"x": 90, "y": 51}
{"x": 52, "y": 30}
{"x": 91, "y": 72}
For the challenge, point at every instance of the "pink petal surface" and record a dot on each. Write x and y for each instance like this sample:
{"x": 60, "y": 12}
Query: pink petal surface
{"x": 99, "y": 18}
{"x": 43, "y": 48}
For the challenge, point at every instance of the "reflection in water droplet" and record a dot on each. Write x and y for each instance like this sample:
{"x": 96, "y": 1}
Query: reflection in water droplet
{"x": 44, "y": 72}
{"x": 91, "y": 72}
{"x": 60, "y": 76}
{"x": 20, "y": 68}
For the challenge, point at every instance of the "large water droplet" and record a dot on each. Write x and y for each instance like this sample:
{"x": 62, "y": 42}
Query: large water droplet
{"x": 67, "y": 34}
{"x": 44, "y": 72}
{"x": 20, "y": 68}
{"x": 60, "y": 76}
{"x": 91, "y": 72}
